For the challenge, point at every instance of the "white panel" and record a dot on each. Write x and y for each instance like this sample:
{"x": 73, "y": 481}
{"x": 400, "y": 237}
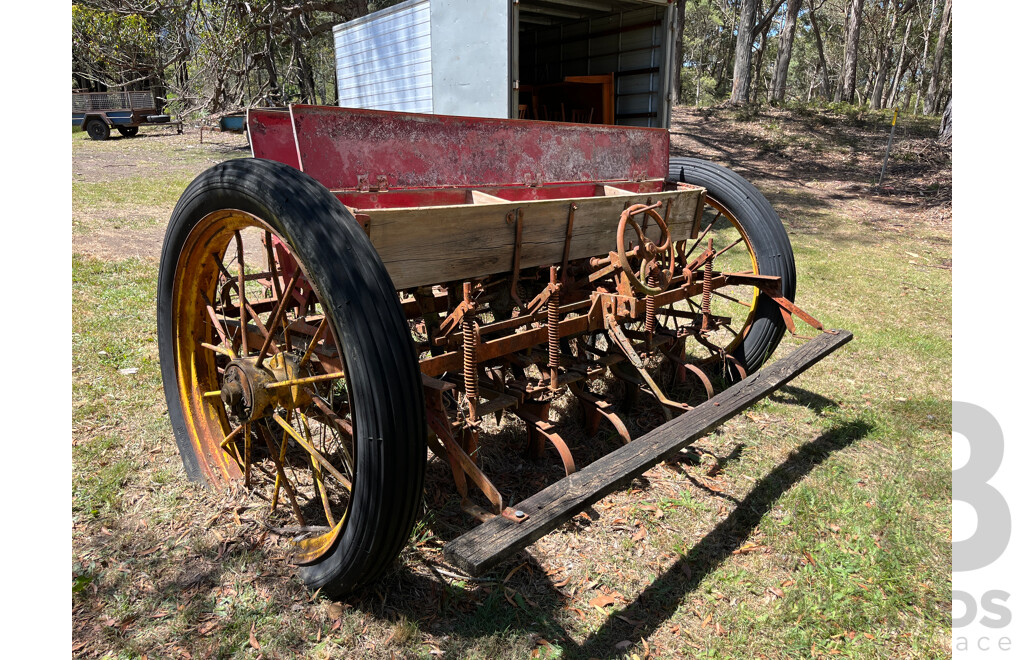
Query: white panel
{"x": 383, "y": 59}
{"x": 372, "y": 100}
{"x": 470, "y": 64}
{"x": 391, "y": 59}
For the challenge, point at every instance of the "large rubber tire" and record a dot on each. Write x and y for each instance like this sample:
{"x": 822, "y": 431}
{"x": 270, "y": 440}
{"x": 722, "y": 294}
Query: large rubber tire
{"x": 767, "y": 238}
{"x": 128, "y": 131}
{"x": 381, "y": 367}
{"x": 97, "y": 129}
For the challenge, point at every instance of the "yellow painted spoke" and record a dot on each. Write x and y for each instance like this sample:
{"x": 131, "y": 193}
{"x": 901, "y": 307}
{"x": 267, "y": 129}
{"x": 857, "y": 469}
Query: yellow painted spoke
{"x": 312, "y": 344}
{"x": 282, "y": 478}
{"x": 221, "y": 332}
{"x": 272, "y": 262}
{"x": 242, "y": 304}
{"x": 219, "y": 349}
{"x": 229, "y": 439}
{"x": 317, "y": 474}
{"x": 312, "y": 451}
{"x": 248, "y": 453}
{"x": 275, "y": 318}
{"x": 305, "y": 381}
{"x": 342, "y": 424}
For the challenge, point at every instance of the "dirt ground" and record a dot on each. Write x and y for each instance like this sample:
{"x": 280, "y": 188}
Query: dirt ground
{"x": 833, "y": 159}
{"x": 117, "y": 214}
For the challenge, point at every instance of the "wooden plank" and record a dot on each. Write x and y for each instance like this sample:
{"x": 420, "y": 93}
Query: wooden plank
{"x": 431, "y": 245}
{"x": 489, "y": 543}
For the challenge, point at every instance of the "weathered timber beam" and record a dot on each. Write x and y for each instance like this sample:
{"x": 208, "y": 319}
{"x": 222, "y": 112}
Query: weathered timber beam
{"x": 489, "y": 543}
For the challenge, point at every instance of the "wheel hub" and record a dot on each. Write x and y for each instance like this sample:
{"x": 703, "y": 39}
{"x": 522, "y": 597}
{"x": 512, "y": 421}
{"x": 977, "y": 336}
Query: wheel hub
{"x": 250, "y": 391}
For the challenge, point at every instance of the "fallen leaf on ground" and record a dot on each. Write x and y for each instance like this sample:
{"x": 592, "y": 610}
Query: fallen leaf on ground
{"x": 253, "y": 642}
{"x": 601, "y": 601}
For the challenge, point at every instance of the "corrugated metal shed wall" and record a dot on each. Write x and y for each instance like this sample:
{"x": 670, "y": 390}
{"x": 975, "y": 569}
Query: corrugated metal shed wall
{"x": 383, "y": 60}
{"x": 627, "y": 44}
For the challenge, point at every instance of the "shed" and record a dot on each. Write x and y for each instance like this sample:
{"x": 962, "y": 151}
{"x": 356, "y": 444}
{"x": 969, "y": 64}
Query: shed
{"x": 588, "y": 61}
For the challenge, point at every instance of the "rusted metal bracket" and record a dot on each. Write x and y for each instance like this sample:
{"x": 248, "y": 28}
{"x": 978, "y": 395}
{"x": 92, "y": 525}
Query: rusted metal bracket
{"x": 535, "y": 415}
{"x": 568, "y": 241}
{"x": 594, "y": 409}
{"x": 789, "y": 310}
{"x": 516, "y": 216}
{"x": 682, "y": 366}
{"x": 615, "y": 333}
{"x": 445, "y": 444}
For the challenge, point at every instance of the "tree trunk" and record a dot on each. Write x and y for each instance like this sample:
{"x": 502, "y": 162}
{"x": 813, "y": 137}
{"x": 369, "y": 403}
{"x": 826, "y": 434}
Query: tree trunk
{"x": 924, "y": 58}
{"x": 274, "y": 90}
{"x": 744, "y": 41}
{"x": 759, "y": 62}
{"x": 883, "y": 61}
{"x": 677, "y": 73}
{"x": 728, "y": 50}
{"x": 307, "y": 89}
{"x": 901, "y": 64}
{"x": 826, "y": 88}
{"x": 940, "y": 51}
{"x": 849, "y": 83}
{"x": 946, "y": 127}
{"x": 785, "y": 53}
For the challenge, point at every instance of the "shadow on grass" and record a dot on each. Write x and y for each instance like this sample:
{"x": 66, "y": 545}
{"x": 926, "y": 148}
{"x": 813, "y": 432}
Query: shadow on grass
{"x": 449, "y": 610}
{"x": 657, "y": 602}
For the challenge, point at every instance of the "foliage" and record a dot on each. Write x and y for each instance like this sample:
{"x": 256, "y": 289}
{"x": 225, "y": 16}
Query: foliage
{"x": 709, "y": 40}
{"x": 213, "y": 56}
{"x": 105, "y": 46}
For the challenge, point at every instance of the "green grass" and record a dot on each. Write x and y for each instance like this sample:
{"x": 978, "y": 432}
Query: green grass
{"x": 817, "y": 523}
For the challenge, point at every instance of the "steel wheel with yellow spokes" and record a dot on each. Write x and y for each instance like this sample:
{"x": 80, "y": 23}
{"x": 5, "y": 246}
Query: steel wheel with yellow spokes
{"x": 746, "y": 237}
{"x": 289, "y": 369}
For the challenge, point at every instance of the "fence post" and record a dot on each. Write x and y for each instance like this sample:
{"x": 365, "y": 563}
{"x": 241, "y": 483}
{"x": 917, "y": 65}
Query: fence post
{"x": 888, "y": 147}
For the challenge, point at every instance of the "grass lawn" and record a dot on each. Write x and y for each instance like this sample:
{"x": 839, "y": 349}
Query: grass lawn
{"x": 817, "y": 523}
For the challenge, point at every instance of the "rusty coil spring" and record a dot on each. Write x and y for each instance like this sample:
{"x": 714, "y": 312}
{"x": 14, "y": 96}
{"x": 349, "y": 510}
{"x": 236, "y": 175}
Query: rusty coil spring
{"x": 649, "y": 307}
{"x": 554, "y": 350}
{"x": 469, "y": 338}
{"x": 705, "y": 303}
{"x": 469, "y": 342}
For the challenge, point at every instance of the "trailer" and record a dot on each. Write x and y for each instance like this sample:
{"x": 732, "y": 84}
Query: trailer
{"x": 373, "y": 286}
{"x": 98, "y": 112}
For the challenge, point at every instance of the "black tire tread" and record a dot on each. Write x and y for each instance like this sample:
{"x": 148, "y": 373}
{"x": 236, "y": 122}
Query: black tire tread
{"x": 388, "y": 410}
{"x": 768, "y": 239}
